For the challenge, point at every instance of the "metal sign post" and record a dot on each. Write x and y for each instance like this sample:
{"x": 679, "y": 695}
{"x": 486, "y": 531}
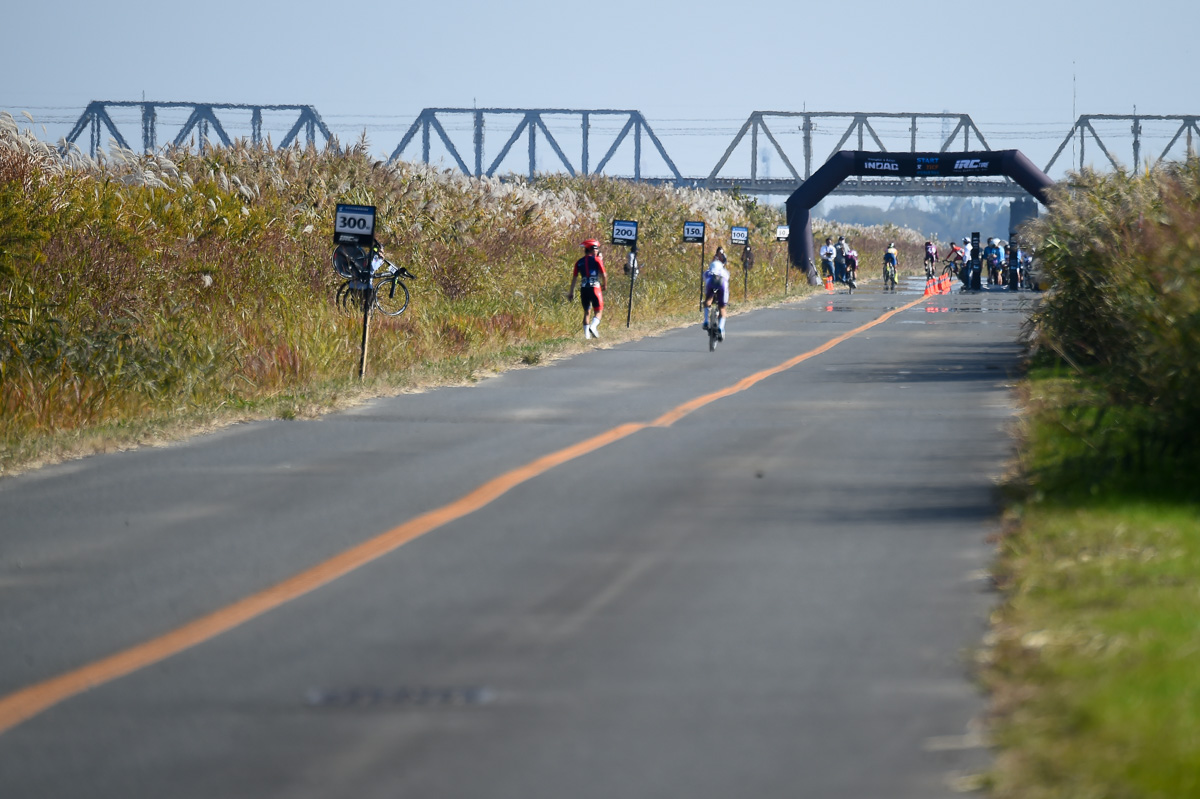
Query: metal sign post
{"x": 693, "y": 233}
{"x": 741, "y": 235}
{"x": 781, "y": 234}
{"x": 355, "y": 225}
{"x": 631, "y": 266}
{"x": 1014, "y": 279}
{"x": 625, "y": 234}
{"x": 976, "y": 260}
{"x": 747, "y": 265}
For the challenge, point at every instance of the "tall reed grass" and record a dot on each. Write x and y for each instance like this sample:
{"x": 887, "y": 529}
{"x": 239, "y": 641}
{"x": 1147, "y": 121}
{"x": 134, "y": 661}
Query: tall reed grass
{"x": 1122, "y": 251}
{"x": 172, "y": 285}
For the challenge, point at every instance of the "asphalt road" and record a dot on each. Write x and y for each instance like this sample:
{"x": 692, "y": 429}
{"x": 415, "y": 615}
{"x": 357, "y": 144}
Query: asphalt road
{"x": 774, "y": 593}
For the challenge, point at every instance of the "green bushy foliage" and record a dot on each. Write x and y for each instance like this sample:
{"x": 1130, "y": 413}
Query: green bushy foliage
{"x": 1122, "y": 253}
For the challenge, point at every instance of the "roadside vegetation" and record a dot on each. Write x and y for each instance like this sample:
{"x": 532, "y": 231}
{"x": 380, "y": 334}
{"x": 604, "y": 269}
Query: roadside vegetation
{"x": 1094, "y": 652}
{"x": 146, "y": 296}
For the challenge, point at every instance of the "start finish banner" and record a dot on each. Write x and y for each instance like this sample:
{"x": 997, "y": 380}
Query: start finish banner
{"x": 928, "y": 165}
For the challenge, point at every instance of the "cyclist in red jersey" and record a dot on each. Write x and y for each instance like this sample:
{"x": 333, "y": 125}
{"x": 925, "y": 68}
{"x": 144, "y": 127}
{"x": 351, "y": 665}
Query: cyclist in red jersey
{"x": 589, "y": 272}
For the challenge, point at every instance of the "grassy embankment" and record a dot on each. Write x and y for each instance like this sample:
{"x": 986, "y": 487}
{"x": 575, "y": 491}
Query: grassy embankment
{"x": 145, "y": 296}
{"x": 1095, "y": 658}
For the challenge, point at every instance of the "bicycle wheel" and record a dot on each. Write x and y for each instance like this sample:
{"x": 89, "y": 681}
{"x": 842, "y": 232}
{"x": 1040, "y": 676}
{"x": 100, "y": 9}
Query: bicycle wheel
{"x": 712, "y": 336}
{"x": 391, "y": 296}
{"x": 348, "y": 258}
{"x": 349, "y": 299}
{"x": 343, "y": 297}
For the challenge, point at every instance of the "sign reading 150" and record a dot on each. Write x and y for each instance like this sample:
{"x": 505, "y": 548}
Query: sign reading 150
{"x": 693, "y": 232}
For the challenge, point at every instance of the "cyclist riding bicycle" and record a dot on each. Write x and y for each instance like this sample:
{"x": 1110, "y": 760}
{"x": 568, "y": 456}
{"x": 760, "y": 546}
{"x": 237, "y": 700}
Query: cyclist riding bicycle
{"x": 716, "y": 289}
{"x": 852, "y": 266}
{"x": 839, "y": 260}
{"x": 931, "y": 253}
{"x": 891, "y": 259}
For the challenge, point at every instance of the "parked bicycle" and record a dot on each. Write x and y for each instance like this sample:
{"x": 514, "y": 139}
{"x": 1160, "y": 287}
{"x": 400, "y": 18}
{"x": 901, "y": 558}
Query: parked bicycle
{"x": 367, "y": 270}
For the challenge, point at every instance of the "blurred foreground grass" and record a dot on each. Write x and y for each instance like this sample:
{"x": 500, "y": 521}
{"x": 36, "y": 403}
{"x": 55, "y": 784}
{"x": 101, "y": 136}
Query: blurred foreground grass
{"x": 1094, "y": 658}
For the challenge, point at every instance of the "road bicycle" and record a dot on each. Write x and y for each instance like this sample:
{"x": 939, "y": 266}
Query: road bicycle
{"x": 849, "y": 277}
{"x": 367, "y": 271}
{"x": 714, "y": 328}
{"x": 960, "y": 270}
{"x": 889, "y": 277}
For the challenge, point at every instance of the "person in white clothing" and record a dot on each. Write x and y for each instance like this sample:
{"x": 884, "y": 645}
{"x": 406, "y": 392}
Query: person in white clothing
{"x": 716, "y": 290}
{"x": 827, "y": 253}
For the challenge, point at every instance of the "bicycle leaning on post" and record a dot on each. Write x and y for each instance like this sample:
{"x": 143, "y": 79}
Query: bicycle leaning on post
{"x": 368, "y": 270}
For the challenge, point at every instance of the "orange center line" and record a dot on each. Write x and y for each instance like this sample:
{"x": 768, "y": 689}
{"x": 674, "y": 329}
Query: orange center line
{"x": 28, "y": 702}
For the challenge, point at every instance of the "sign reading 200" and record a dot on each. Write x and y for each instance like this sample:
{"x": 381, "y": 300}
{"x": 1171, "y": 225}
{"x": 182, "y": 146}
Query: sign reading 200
{"x": 624, "y": 232}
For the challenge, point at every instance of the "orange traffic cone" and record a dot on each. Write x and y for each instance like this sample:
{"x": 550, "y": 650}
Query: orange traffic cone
{"x": 929, "y": 287}
{"x": 828, "y": 283}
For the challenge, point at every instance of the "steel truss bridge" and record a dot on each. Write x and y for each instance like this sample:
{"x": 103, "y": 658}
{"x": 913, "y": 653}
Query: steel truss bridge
{"x": 202, "y": 121}
{"x": 763, "y": 129}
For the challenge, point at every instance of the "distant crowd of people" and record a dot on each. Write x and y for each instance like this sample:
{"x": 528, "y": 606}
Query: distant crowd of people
{"x": 839, "y": 262}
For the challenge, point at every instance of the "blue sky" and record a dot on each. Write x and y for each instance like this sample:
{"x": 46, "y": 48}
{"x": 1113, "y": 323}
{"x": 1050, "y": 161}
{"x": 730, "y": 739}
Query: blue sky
{"x": 1022, "y": 69}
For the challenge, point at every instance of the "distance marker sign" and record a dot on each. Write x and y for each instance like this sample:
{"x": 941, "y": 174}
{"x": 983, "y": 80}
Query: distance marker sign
{"x": 693, "y": 232}
{"x": 624, "y": 232}
{"x": 739, "y": 235}
{"x": 354, "y": 224}
{"x": 781, "y": 233}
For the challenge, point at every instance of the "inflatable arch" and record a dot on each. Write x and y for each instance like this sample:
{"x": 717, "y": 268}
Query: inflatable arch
{"x": 856, "y": 163}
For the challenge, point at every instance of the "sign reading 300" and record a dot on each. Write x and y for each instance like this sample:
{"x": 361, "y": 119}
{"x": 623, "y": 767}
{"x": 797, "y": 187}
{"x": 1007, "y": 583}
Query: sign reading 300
{"x": 354, "y": 224}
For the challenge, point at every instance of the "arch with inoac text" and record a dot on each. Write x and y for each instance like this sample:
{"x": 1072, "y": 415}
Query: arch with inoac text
{"x": 857, "y": 163}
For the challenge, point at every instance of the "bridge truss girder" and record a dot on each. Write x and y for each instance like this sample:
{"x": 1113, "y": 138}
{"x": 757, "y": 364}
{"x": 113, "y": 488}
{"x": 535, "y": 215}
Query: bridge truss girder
{"x": 1083, "y": 128}
{"x": 203, "y": 120}
{"x": 531, "y": 122}
{"x": 859, "y": 126}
